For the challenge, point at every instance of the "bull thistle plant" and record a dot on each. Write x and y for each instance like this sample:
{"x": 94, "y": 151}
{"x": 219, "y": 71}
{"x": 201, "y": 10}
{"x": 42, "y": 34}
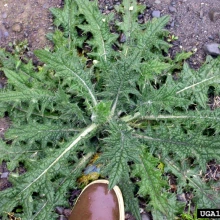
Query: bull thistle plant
{"x": 146, "y": 114}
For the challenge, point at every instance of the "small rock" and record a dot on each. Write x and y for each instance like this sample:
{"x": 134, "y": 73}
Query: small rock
{"x": 59, "y": 210}
{"x": 62, "y": 217}
{"x": 30, "y": 53}
{"x": 140, "y": 16}
{"x": 107, "y": 12}
{"x": 201, "y": 14}
{"x": 6, "y": 34}
{"x": 173, "y": 3}
{"x": 4, "y": 175}
{"x": 145, "y": 216}
{"x": 212, "y": 49}
{"x": 172, "y": 24}
{"x": 156, "y": 14}
{"x": 181, "y": 197}
{"x": 141, "y": 21}
{"x": 157, "y": 1}
{"x": 46, "y": 5}
{"x": 25, "y": 34}
{"x": 129, "y": 216}
{"x": 148, "y": 5}
{"x": 67, "y": 212}
{"x": 122, "y": 38}
{"x": 211, "y": 37}
{"x": 110, "y": 7}
{"x": 214, "y": 14}
{"x": 172, "y": 9}
{"x": 6, "y": 25}
{"x": 4, "y": 15}
{"x": 17, "y": 27}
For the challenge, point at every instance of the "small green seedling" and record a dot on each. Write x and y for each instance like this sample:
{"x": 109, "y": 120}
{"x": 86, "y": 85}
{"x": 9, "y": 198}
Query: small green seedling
{"x": 172, "y": 38}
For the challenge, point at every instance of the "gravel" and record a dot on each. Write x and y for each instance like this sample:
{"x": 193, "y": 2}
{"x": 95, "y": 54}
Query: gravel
{"x": 214, "y": 14}
{"x": 212, "y": 49}
{"x": 5, "y": 175}
{"x": 156, "y": 14}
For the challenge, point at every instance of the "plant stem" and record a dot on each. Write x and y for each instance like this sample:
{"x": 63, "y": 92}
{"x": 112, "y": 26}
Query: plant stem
{"x": 137, "y": 116}
{"x": 76, "y": 141}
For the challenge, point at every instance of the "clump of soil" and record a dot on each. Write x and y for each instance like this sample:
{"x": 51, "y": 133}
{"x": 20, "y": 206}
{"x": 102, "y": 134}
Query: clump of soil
{"x": 26, "y": 19}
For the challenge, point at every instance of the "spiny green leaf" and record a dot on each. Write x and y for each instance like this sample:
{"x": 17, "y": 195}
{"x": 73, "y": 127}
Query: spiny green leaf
{"x": 68, "y": 65}
{"x": 182, "y": 56}
{"x": 131, "y": 203}
{"x": 120, "y": 149}
{"x": 152, "y": 67}
{"x": 151, "y": 34}
{"x": 98, "y": 26}
{"x": 151, "y": 184}
{"x": 101, "y": 112}
{"x": 189, "y": 176}
{"x": 68, "y": 19}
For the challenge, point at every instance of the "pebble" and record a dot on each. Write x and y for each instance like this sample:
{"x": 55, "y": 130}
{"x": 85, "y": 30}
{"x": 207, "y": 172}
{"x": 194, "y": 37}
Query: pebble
{"x": 173, "y": 3}
{"x": 201, "y": 14}
{"x": 110, "y": 7}
{"x": 17, "y": 27}
{"x": 172, "y": 9}
{"x": 181, "y": 197}
{"x": 211, "y": 37}
{"x": 129, "y": 216}
{"x": 145, "y": 216}
{"x": 172, "y": 24}
{"x": 4, "y": 15}
{"x": 156, "y": 14}
{"x": 212, "y": 49}
{"x": 67, "y": 212}
{"x": 62, "y": 217}
{"x": 59, "y": 210}
{"x": 157, "y": 1}
{"x": 4, "y": 175}
{"x": 140, "y": 16}
{"x": 3, "y": 34}
{"x": 6, "y": 25}
{"x": 46, "y": 5}
{"x": 26, "y": 34}
{"x": 6, "y": 34}
{"x": 214, "y": 14}
{"x": 148, "y": 5}
{"x": 122, "y": 38}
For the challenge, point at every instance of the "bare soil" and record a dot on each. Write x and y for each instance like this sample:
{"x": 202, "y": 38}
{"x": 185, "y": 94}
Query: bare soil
{"x": 190, "y": 20}
{"x": 26, "y": 19}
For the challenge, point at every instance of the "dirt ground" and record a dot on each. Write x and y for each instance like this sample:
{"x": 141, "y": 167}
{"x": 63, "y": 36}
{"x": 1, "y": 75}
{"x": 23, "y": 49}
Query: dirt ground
{"x": 26, "y": 19}
{"x": 191, "y": 21}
